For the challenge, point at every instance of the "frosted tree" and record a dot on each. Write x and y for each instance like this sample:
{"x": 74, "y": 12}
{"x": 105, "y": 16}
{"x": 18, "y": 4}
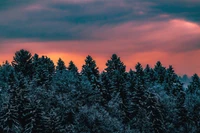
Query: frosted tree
{"x": 95, "y": 119}
{"x": 115, "y": 81}
{"x": 22, "y": 62}
{"x": 116, "y": 75}
{"x": 193, "y": 103}
{"x": 72, "y": 67}
{"x": 171, "y": 80}
{"x": 6, "y": 71}
{"x": 149, "y": 76}
{"x": 9, "y": 115}
{"x": 90, "y": 70}
{"x": 60, "y": 65}
{"x": 43, "y": 71}
{"x": 139, "y": 73}
{"x": 194, "y": 86}
{"x": 143, "y": 108}
{"x": 53, "y": 122}
{"x": 159, "y": 72}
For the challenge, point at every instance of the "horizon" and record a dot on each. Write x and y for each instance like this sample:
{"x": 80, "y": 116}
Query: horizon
{"x": 102, "y": 67}
{"x": 137, "y": 31}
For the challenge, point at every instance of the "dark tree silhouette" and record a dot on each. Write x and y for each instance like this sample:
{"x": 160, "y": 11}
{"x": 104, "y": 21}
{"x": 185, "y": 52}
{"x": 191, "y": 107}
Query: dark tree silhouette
{"x": 22, "y": 62}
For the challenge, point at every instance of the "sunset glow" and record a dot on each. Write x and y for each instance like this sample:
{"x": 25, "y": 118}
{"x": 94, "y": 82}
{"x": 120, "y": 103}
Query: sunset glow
{"x": 137, "y": 31}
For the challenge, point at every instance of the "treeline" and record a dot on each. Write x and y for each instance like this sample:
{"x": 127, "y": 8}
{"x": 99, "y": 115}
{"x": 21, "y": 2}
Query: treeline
{"x": 38, "y": 97}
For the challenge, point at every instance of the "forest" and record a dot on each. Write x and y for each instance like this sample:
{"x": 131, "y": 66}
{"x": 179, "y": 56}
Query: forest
{"x": 38, "y": 96}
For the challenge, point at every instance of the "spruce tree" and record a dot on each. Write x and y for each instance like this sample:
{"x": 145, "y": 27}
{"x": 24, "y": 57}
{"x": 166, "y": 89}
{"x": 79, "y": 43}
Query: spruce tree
{"x": 90, "y": 70}
{"x": 60, "y": 65}
{"x": 5, "y": 71}
{"x": 139, "y": 73}
{"x": 116, "y": 74}
{"x": 171, "y": 80}
{"x": 159, "y": 72}
{"x": 72, "y": 67}
{"x": 194, "y": 86}
{"x": 9, "y": 115}
{"x": 22, "y": 62}
{"x": 43, "y": 71}
{"x": 149, "y": 76}
{"x": 116, "y": 77}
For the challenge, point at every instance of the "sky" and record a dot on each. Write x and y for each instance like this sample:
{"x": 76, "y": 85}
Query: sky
{"x": 142, "y": 31}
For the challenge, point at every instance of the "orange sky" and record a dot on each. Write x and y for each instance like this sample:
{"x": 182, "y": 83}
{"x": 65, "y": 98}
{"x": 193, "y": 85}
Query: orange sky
{"x": 174, "y": 42}
{"x": 142, "y": 31}
{"x": 183, "y": 62}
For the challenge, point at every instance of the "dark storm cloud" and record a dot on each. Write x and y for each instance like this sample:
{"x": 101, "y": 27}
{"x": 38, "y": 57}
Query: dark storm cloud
{"x": 8, "y": 4}
{"x": 187, "y": 9}
{"x": 66, "y": 19}
{"x": 138, "y": 30}
{"x": 51, "y": 20}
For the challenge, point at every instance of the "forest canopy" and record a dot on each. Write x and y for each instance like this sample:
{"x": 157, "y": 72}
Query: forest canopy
{"x": 37, "y": 96}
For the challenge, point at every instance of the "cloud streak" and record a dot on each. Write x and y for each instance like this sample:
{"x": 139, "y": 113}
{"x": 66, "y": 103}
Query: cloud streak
{"x": 136, "y": 30}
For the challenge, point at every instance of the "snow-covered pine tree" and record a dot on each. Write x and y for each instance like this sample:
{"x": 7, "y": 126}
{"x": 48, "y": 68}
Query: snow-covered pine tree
{"x": 155, "y": 113}
{"x": 91, "y": 71}
{"x": 43, "y": 71}
{"x": 60, "y": 65}
{"x": 116, "y": 82}
{"x": 149, "y": 76}
{"x": 72, "y": 67}
{"x": 171, "y": 79}
{"x": 159, "y": 72}
{"x": 9, "y": 115}
{"x": 134, "y": 80}
{"x": 22, "y": 63}
{"x": 194, "y": 86}
{"x": 192, "y": 103}
{"x": 5, "y": 71}
{"x": 96, "y": 119}
{"x": 139, "y": 73}
{"x": 116, "y": 74}
{"x": 53, "y": 122}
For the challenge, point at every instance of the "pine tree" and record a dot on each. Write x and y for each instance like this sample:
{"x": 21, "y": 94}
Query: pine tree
{"x": 53, "y": 122}
{"x": 159, "y": 72}
{"x": 96, "y": 119}
{"x": 105, "y": 84}
{"x": 22, "y": 62}
{"x": 170, "y": 75}
{"x": 60, "y": 65}
{"x": 116, "y": 74}
{"x": 171, "y": 80}
{"x": 5, "y": 72}
{"x": 43, "y": 71}
{"x": 139, "y": 73}
{"x": 194, "y": 85}
{"x": 149, "y": 75}
{"x": 34, "y": 123}
{"x": 115, "y": 71}
{"x": 37, "y": 105}
{"x": 72, "y": 67}
{"x": 155, "y": 113}
{"x": 90, "y": 70}
{"x": 130, "y": 90}
{"x": 193, "y": 102}
{"x": 9, "y": 115}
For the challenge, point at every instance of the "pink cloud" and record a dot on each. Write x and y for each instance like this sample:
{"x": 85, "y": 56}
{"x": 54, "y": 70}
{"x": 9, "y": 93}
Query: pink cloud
{"x": 174, "y": 42}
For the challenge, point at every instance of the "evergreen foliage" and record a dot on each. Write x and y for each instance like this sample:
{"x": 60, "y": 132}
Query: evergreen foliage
{"x": 72, "y": 67}
{"x": 22, "y": 62}
{"x": 43, "y": 70}
{"x": 60, "y": 65}
{"x": 37, "y": 97}
{"x": 90, "y": 70}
